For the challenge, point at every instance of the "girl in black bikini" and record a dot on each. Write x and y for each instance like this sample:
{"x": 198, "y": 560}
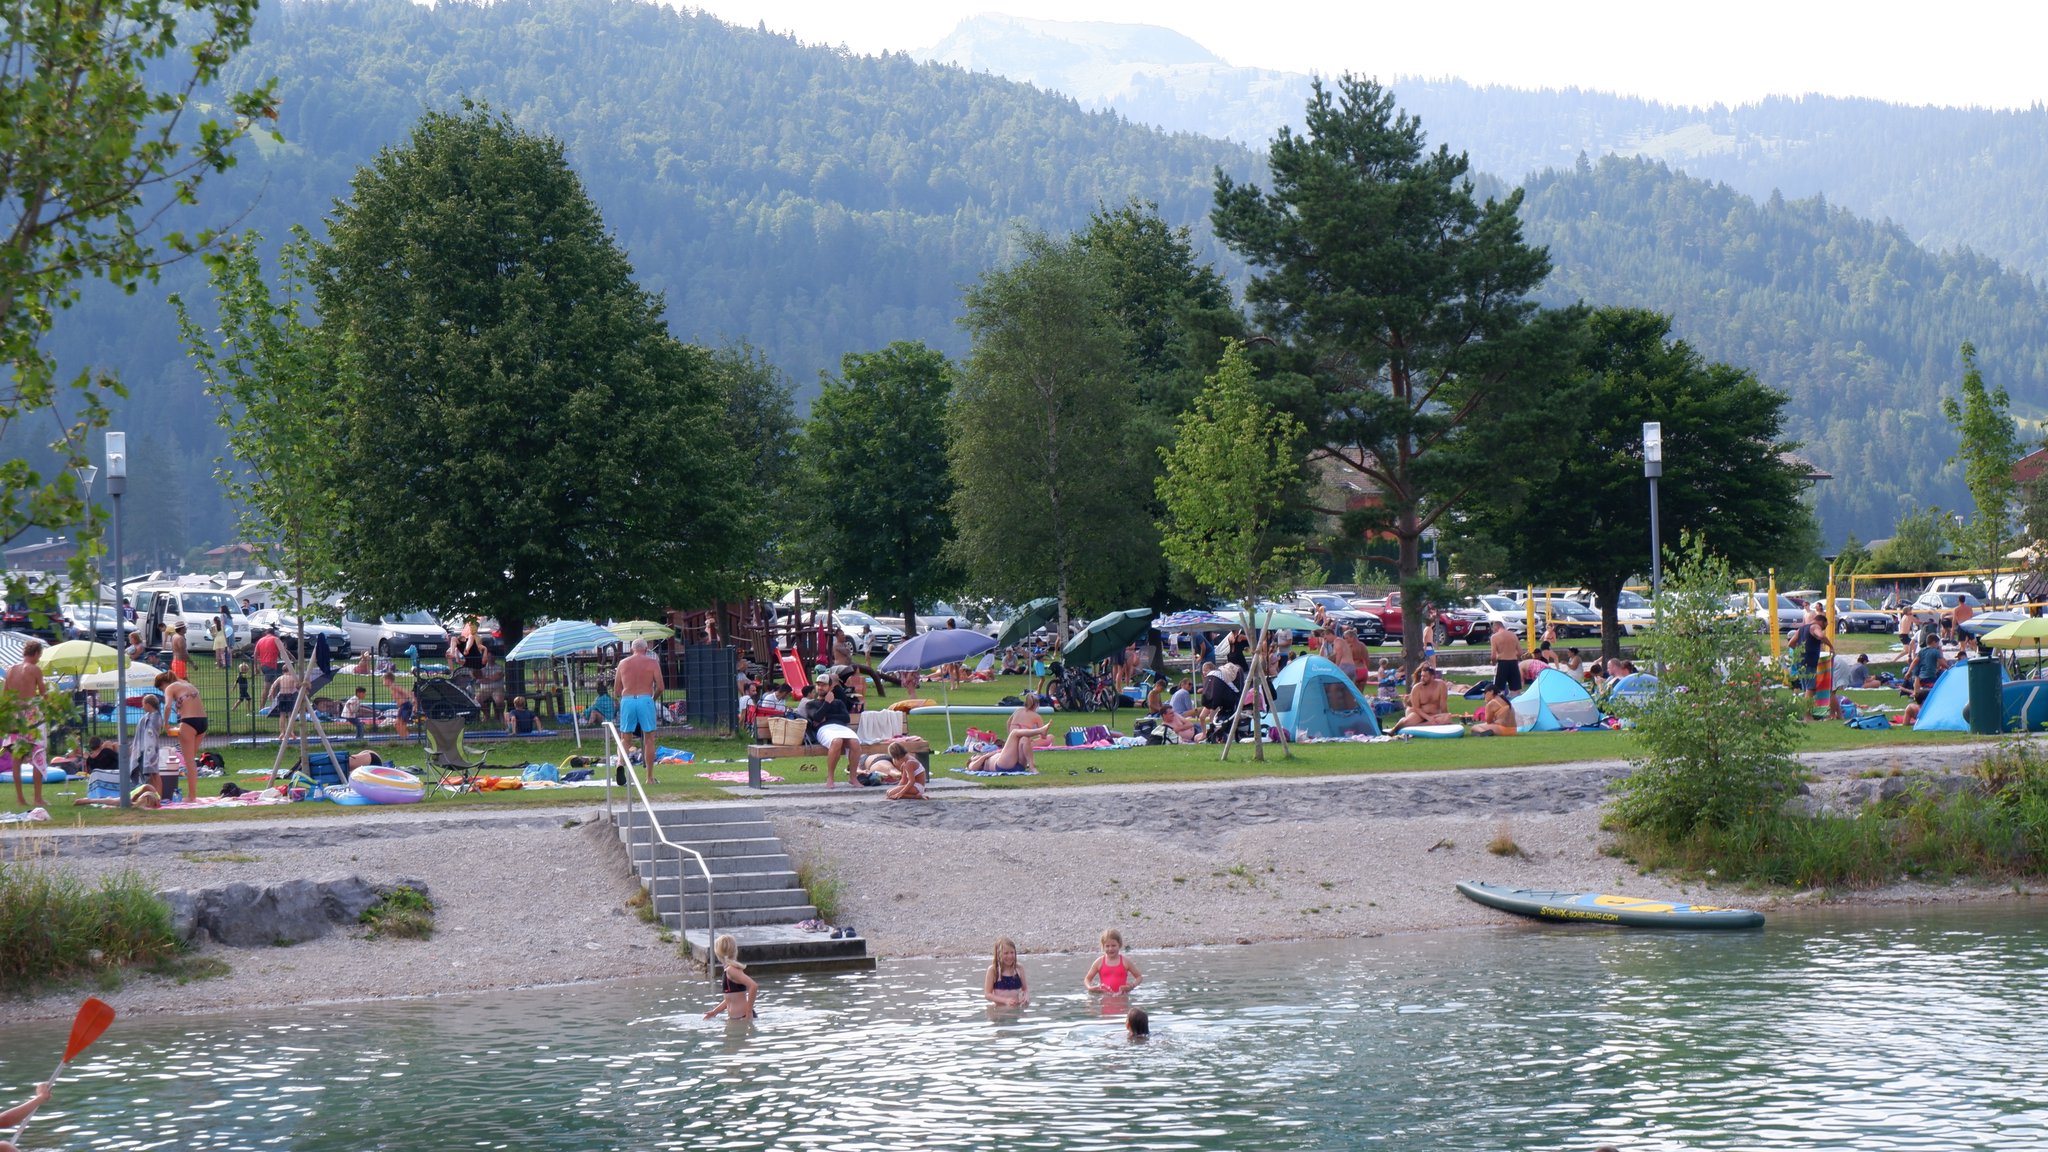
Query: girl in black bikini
{"x": 1004, "y": 983}
{"x": 739, "y": 988}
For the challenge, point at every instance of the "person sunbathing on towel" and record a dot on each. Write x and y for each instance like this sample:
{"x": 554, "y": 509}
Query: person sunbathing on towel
{"x": 1428, "y": 701}
{"x": 1018, "y": 753}
{"x": 1497, "y": 715}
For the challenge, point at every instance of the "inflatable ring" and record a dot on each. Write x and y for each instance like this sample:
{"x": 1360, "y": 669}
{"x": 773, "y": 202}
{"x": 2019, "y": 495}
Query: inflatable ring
{"x": 1435, "y": 731}
{"x": 50, "y": 776}
{"x": 383, "y": 784}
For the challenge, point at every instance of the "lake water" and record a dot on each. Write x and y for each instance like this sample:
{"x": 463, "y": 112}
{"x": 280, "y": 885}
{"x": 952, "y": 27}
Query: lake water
{"x": 1836, "y": 1031}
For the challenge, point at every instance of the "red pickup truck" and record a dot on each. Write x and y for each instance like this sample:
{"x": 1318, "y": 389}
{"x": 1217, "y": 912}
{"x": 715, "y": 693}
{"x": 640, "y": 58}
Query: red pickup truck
{"x": 1445, "y": 626}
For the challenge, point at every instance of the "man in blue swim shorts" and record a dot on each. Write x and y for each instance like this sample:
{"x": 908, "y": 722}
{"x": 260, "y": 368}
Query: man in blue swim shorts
{"x": 640, "y": 687}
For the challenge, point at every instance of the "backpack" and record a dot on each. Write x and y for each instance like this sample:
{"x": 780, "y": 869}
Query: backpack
{"x": 1869, "y": 720}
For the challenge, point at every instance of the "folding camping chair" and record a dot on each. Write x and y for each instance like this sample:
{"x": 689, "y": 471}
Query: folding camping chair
{"x": 444, "y": 711}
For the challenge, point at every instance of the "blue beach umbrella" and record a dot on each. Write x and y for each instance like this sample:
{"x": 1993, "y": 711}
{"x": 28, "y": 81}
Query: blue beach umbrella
{"x": 561, "y": 639}
{"x": 936, "y": 649}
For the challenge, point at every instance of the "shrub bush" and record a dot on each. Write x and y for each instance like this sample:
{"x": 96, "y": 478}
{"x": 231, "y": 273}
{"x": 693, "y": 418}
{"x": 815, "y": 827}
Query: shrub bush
{"x": 53, "y": 925}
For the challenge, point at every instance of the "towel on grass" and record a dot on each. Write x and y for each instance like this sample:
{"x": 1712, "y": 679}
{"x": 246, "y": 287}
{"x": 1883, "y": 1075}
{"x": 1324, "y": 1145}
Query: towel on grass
{"x": 1001, "y": 772}
{"x": 737, "y": 777}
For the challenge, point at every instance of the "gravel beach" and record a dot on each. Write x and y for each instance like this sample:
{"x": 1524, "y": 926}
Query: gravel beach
{"x": 541, "y": 896}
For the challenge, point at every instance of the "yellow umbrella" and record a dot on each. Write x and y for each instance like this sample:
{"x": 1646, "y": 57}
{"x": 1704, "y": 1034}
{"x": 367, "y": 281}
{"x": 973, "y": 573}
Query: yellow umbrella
{"x": 139, "y": 676}
{"x": 2031, "y": 632}
{"x": 633, "y": 630}
{"x": 77, "y": 658}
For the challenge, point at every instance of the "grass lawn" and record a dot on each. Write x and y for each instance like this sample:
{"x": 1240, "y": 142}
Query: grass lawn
{"x": 1058, "y": 769}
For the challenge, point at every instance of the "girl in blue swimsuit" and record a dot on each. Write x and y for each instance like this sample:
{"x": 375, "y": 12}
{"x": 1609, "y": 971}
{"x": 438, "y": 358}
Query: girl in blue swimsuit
{"x": 1004, "y": 983}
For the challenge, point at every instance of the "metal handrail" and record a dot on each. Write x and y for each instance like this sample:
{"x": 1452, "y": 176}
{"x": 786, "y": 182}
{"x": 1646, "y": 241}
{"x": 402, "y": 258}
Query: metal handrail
{"x": 636, "y": 793}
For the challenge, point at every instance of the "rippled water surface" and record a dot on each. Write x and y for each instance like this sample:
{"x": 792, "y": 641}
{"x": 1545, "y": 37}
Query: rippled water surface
{"x": 1869, "y": 1031}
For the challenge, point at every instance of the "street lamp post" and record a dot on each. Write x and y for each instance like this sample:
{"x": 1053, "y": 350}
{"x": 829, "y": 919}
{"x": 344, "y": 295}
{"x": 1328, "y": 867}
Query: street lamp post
{"x": 87, "y": 473}
{"x": 117, "y": 483}
{"x": 1653, "y": 467}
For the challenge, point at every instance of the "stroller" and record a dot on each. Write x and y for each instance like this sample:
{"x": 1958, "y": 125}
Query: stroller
{"x": 445, "y": 709}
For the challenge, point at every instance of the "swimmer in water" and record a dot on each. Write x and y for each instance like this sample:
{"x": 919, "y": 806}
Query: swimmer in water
{"x": 1005, "y": 984}
{"x": 1112, "y": 971}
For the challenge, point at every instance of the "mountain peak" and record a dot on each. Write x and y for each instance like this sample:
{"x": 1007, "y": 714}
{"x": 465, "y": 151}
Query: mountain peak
{"x": 984, "y": 41}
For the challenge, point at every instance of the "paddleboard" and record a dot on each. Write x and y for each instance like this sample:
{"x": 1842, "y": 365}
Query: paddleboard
{"x": 1603, "y": 908}
{"x": 1434, "y": 731}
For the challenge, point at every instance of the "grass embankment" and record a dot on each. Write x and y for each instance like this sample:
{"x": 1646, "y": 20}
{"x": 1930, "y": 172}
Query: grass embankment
{"x": 1996, "y": 830}
{"x": 1059, "y": 768}
{"x": 54, "y": 926}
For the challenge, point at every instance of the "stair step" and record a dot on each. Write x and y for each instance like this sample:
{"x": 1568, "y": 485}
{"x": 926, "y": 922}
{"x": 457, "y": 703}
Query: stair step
{"x": 695, "y": 814}
{"x": 766, "y": 950}
{"x": 665, "y": 897}
{"x": 665, "y": 863}
{"x": 752, "y": 846}
{"x": 733, "y": 918}
{"x": 694, "y": 834}
{"x": 663, "y": 879}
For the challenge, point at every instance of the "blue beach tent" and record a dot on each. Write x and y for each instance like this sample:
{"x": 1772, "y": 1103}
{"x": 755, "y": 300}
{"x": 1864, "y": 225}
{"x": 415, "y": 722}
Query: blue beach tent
{"x": 1313, "y": 696}
{"x": 1942, "y": 711}
{"x": 1555, "y": 701}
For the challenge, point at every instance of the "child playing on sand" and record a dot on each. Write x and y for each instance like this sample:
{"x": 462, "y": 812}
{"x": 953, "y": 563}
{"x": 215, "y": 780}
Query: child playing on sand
{"x": 739, "y": 988}
{"x": 1112, "y": 971}
{"x": 18, "y": 1115}
{"x": 1004, "y": 983}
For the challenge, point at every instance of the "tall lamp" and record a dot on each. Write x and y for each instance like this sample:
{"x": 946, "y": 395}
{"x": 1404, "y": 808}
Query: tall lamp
{"x": 117, "y": 483}
{"x": 1653, "y": 467}
{"x": 88, "y": 473}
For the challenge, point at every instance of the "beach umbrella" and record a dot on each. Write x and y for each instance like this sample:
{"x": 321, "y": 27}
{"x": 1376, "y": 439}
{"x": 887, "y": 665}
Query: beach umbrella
{"x": 1193, "y": 621}
{"x": 646, "y": 630}
{"x": 559, "y": 641}
{"x": 11, "y": 644}
{"x": 1030, "y": 618}
{"x": 1105, "y": 636}
{"x": 2031, "y": 632}
{"x": 1272, "y": 618}
{"x": 936, "y": 649}
{"x": 139, "y": 676}
{"x": 78, "y": 657}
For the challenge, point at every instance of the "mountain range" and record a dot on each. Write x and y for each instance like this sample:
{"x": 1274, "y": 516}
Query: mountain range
{"x": 814, "y": 202}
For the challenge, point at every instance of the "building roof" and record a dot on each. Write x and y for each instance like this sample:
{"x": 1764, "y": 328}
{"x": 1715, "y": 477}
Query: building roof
{"x": 2030, "y": 467}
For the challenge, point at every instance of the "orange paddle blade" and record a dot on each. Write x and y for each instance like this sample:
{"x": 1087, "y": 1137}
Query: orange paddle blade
{"x": 93, "y": 1017}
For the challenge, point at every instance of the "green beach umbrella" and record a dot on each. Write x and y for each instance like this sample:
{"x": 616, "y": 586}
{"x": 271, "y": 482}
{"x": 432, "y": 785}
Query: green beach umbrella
{"x": 1030, "y": 618}
{"x": 2029, "y": 633}
{"x": 1270, "y": 619}
{"x": 1106, "y": 636}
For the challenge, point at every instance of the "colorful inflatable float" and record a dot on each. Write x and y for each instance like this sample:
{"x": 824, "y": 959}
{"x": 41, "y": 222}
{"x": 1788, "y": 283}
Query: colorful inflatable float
{"x": 383, "y": 784}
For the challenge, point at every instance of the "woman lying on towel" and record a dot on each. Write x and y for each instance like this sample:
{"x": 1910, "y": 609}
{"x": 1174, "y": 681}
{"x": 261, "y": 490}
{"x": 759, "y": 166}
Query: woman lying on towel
{"x": 1016, "y": 754}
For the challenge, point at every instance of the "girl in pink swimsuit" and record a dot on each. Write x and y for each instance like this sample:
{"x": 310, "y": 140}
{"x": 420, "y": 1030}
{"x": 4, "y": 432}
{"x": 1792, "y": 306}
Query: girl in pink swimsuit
{"x": 1113, "y": 971}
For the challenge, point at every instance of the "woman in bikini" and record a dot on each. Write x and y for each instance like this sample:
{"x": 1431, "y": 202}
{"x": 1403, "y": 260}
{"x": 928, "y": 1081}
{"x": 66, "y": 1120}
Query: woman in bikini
{"x": 1498, "y": 716}
{"x": 737, "y": 989}
{"x": 191, "y": 724}
{"x": 1018, "y": 750}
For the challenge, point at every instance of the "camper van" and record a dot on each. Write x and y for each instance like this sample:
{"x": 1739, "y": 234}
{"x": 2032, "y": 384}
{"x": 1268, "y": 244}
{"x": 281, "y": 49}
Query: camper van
{"x": 161, "y": 609}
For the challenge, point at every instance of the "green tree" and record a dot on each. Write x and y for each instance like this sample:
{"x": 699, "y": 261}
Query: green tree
{"x": 1588, "y": 523}
{"x": 1039, "y": 436}
{"x": 1990, "y": 446}
{"x": 275, "y": 381}
{"x": 874, "y": 503}
{"x": 99, "y": 143}
{"x": 1231, "y": 473}
{"x": 1176, "y": 311}
{"x": 1715, "y": 743}
{"x": 1853, "y": 557}
{"x": 760, "y": 418}
{"x": 523, "y": 437}
{"x": 1437, "y": 378}
{"x": 1916, "y": 544}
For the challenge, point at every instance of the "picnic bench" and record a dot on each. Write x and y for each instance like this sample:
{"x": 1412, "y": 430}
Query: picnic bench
{"x": 759, "y": 752}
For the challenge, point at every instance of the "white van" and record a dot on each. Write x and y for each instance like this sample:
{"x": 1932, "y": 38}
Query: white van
{"x": 391, "y": 633}
{"x": 161, "y": 609}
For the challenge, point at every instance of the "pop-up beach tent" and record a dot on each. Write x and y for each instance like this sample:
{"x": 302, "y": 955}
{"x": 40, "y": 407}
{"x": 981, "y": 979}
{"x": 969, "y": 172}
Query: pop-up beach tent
{"x": 1313, "y": 696}
{"x": 1942, "y": 711}
{"x": 1553, "y": 702}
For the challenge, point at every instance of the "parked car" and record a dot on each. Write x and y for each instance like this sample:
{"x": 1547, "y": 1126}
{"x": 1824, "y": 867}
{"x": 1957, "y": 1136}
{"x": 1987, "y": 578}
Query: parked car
{"x": 266, "y": 621}
{"x": 866, "y": 633}
{"x": 49, "y": 626}
{"x": 1941, "y": 605}
{"x": 1445, "y": 625}
{"x": 1568, "y": 618}
{"x": 391, "y": 633}
{"x": 163, "y": 608}
{"x": 1786, "y": 616}
{"x": 1498, "y": 609}
{"x": 92, "y": 622}
{"x": 1633, "y": 611}
{"x": 936, "y": 614}
{"x": 1340, "y": 612}
{"x": 1856, "y": 615}
{"x": 1967, "y": 584}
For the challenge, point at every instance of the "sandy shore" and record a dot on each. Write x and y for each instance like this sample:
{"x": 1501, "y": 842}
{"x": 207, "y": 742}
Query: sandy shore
{"x": 540, "y": 896}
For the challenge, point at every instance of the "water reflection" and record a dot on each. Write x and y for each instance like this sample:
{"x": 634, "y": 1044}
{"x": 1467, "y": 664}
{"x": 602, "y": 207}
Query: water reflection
{"x": 1881, "y": 1032}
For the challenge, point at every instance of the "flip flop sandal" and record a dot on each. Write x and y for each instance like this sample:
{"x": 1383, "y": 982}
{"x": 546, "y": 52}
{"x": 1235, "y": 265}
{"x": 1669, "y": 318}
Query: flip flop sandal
{"x": 1073, "y": 772}
{"x": 1094, "y": 769}
{"x": 807, "y": 767}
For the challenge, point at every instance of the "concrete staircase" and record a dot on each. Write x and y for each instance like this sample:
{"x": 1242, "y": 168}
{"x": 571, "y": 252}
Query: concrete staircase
{"x": 755, "y": 892}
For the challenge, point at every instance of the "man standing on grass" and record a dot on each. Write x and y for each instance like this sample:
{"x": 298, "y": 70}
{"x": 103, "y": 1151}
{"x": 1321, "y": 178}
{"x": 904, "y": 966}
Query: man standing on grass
{"x": 269, "y": 658}
{"x": 1812, "y": 637}
{"x": 24, "y": 692}
{"x": 1507, "y": 658}
{"x": 640, "y": 688}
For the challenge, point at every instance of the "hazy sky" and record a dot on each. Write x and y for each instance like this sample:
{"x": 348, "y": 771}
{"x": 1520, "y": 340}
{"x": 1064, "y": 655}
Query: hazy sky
{"x": 1962, "y": 52}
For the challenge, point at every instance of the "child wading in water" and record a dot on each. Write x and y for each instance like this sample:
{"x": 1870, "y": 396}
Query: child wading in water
{"x": 1004, "y": 983}
{"x": 739, "y": 988}
{"x": 1112, "y": 971}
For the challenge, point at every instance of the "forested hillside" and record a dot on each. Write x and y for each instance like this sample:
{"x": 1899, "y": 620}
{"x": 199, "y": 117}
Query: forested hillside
{"x": 1949, "y": 176}
{"x": 1861, "y": 326}
{"x": 815, "y": 203}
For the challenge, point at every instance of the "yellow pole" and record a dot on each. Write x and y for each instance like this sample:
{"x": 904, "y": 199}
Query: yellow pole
{"x": 1831, "y": 613}
{"x": 1771, "y": 621}
{"x": 1529, "y": 617}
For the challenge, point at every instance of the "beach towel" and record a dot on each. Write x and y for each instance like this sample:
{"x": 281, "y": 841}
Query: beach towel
{"x": 737, "y": 777}
{"x": 880, "y": 727}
